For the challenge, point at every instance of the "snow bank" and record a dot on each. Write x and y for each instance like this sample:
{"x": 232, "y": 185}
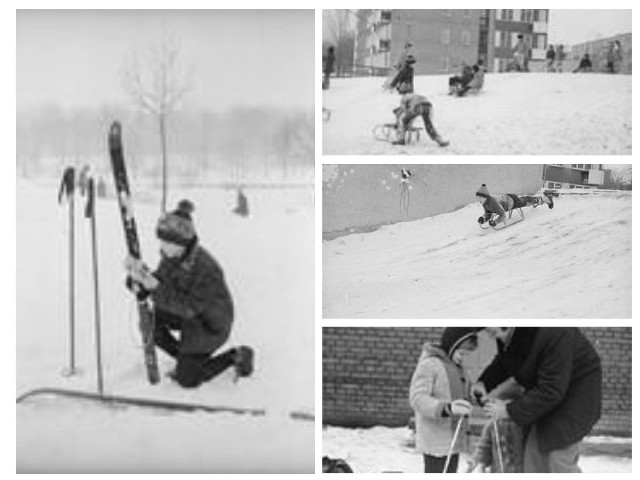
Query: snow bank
{"x": 570, "y": 262}
{"x": 532, "y": 114}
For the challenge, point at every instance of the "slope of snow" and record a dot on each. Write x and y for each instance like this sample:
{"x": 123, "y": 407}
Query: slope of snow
{"x": 382, "y": 449}
{"x": 570, "y": 262}
{"x": 268, "y": 261}
{"x": 533, "y": 114}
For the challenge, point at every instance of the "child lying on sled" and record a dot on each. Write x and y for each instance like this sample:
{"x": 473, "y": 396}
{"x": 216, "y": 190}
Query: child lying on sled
{"x": 501, "y": 204}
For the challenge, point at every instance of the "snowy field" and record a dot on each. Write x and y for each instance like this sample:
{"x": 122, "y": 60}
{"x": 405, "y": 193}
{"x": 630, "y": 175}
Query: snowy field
{"x": 269, "y": 264}
{"x": 522, "y": 114}
{"x": 570, "y": 262}
{"x": 382, "y": 449}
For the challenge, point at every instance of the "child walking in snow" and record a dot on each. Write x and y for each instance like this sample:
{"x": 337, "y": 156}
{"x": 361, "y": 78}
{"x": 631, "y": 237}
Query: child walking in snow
{"x": 439, "y": 395}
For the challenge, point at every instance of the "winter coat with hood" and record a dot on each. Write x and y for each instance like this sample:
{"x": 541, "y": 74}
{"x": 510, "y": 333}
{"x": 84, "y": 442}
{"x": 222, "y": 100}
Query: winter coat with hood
{"x": 437, "y": 381}
{"x": 562, "y": 376}
{"x": 193, "y": 291}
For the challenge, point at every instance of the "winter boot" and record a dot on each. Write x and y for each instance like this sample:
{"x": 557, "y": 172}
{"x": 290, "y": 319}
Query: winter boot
{"x": 441, "y": 142}
{"x": 548, "y": 200}
{"x": 243, "y": 361}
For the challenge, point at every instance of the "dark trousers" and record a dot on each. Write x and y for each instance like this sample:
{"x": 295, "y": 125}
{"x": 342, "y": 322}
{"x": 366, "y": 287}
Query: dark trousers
{"x": 425, "y": 111}
{"x": 436, "y": 464}
{"x": 192, "y": 369}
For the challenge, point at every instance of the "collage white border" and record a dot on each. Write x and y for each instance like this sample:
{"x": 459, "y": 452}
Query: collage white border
{"x": 8, "y": 190}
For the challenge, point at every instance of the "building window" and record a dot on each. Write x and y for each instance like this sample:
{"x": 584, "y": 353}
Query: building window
{"x": 385, "y": 16}
{"x": 466, "y": 38}
{"x": 384, "y": 45}
{"x": 527, "y": 16}
{"x": 445, "y": 36}
{"x": 497, "y": 42}
{"x": 541, "y": 41}
{"x": 517, "y": 15}
{"x": 540, "y": 16}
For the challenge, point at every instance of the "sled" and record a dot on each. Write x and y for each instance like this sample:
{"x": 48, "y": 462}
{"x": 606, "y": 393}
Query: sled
{"x": 386, "y": 132}
{"x": 511, "y": 219}
{"x": 118, "y": 400}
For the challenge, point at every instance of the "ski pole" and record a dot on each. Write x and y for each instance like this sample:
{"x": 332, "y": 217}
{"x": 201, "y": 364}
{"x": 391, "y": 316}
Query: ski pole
{"x": 497, "y": 435}
{"x": 67, "y": 187}
{"x": 453, "y": 443}
{"x": 90, "y": 212}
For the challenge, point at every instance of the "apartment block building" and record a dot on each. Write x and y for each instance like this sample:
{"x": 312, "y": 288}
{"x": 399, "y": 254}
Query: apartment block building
{"x": 443, "y": 39}
{"x": 576, "y": 175}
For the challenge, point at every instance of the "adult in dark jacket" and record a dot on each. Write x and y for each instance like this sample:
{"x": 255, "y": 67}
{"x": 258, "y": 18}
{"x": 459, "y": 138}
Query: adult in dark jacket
{"x": 403, "y": 81}
{"x": 501, "y": 204}
{"x": 561, "y": 373}
{"x": 190, "y": 296}
{"x": 551, "y": 59}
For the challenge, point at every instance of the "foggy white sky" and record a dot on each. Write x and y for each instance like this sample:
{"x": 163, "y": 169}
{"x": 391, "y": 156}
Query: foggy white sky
{"x": 577, "y": 26}
{"x": 75, "y": 58}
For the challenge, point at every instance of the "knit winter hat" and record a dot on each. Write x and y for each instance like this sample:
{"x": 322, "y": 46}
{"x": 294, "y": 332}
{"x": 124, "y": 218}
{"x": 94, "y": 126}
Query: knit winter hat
{"x": 483, "y": 191}
{"x": 177, "y": 226}
{"x": 452, "y": 337}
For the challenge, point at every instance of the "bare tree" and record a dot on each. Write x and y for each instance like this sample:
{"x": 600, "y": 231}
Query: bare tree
{"x": 340, "y": 33}
{"x": 157, "y": 85}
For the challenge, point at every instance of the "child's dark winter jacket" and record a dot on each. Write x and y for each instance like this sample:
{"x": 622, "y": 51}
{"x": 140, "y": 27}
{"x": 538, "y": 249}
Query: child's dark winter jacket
{"x": 498, "y": 204}
{"x": 562, "y": 376}
{"x": 194, "y": 290}
{"x": 403, "y": 80}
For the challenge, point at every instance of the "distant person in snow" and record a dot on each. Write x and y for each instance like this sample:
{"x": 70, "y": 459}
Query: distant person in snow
{"x": 476, "y": 83}
{"x": 614, "y": 57}
{"x": 559, "y": 58}
{"x": 328, "y": 62}
{"x": 458, "y": 81}
{"x": 440, "y": 397}
{"x": 242, "y": 204}
{"x": 190, "y": 297}
{"x": 551, "y": 59}
{"x": 521, "y": 54}
{"x": 585, "y": 64}
{"x": 412, "y": 106}
{"x": 403, "y": 81}
{"x": 504, "y": 203}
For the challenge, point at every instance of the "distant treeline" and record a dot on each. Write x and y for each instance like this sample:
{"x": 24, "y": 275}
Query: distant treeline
{"x": 198, "y": 141}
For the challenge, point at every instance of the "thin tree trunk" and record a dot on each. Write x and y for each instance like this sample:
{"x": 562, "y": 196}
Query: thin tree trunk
{"x": 163, "y": 143}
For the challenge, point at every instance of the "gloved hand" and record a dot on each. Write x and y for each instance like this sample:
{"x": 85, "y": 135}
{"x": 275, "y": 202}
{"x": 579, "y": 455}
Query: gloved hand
{"x": 481, "y": 220}
{"x": 479, "y": 392}
{"x": 496, "y": 409}
{"x": 140, "y": 273}
{"x": 141, "y": 292}
{"x": 460, "y": 407}
{"x": 492, "y": 223}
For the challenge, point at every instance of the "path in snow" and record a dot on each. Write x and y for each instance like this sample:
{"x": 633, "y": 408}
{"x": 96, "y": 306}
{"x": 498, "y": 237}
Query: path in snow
{"x": 532, "y": 114}
{"x": 570, "y": 262}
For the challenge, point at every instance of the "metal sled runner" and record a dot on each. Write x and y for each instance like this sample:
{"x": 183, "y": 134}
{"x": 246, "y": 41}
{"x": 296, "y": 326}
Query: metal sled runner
{"x": 510, "y": 219}
{"x": 386, "y": 132}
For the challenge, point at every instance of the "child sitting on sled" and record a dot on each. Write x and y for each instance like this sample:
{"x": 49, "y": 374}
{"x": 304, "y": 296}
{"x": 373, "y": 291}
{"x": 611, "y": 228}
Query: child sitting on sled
{"x": 439, "y": 395}
{"x": 501, "y": 204}
{"x": 413, "y": 105}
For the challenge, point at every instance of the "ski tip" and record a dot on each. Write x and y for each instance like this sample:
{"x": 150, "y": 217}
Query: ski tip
{"x": 115, "y": 129}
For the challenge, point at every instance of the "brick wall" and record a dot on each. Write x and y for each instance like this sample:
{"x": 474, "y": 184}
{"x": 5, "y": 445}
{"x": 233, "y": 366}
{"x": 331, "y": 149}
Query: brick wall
{"x": 366, "y": 374}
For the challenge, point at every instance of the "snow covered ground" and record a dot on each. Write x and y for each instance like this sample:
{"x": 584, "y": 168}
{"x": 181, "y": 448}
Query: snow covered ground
{"x": 517, "y": 113}
{"x": 570, "y": 262}
{"x": 269, "y": 264}
{"x": 382, "y": 449}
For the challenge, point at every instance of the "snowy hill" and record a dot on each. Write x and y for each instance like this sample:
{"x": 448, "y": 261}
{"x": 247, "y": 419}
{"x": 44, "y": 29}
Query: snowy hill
{"x": 534, "y": 114}
{"x": 570, "y": 262}
{"x": 269, "y": 264}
